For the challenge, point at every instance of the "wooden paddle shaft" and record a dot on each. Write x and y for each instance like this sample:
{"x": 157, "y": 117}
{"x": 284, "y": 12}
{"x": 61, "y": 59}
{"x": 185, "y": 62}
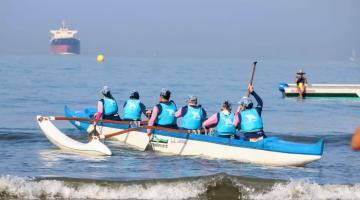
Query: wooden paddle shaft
{"x": 127, "y": 122}
{"x": 154, "y": 128}
{"x": 125, "y": 131}
{"x": 96, "y": 120}
{"x": 252, "y": 76}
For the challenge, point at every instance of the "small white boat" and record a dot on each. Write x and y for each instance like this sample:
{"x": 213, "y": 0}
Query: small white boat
{"x": 59, "y": 139}
{"x": 322, "y": 90}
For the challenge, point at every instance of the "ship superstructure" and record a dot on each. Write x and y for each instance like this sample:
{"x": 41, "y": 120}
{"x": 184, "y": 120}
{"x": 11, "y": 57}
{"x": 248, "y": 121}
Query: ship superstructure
{"x": 63, "y": 41}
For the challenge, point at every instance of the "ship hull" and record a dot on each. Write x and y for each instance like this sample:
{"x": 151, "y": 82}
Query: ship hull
{"x": 65, "y": 46}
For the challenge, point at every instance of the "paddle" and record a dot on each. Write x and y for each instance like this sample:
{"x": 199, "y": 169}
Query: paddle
{"x": 252, "y": 77}
{"x": 154, "y": 128}
{"x": 126, "y": 122}
{"x": 95, "y": 120}
{"x": 125, "y": 131}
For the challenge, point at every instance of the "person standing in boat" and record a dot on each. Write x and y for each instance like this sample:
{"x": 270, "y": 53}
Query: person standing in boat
{"x": 300, "y": 82}
{"x": 107, "y": 106}
{"x": 250, "y": 118}
{"x": 192, "y": 115}
{"x": 225, "y": 121}
{"x": 133, "y": 107}
{"x": 163, "y": 114}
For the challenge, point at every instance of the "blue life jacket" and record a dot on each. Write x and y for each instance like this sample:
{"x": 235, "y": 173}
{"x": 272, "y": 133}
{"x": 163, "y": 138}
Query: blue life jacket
{"x": 250, "y": 121}
{"x": 132, "y": 109}
{"x": 225, "y": 124}
{"x": 110, "y": 106}
{"x": 193, "y": 118}
{"x": 167, "y": 115}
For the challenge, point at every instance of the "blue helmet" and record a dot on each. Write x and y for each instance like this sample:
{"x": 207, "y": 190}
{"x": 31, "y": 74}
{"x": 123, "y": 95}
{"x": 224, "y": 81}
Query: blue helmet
{"x": 246, "y": 102}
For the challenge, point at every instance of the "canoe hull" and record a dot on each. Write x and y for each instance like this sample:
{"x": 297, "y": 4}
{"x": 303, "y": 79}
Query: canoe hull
{"x": 188, "y": 145}
{"x": 179, "y": 146}
{"x": 134, "y": 139}
{"x": 264, "y": 152}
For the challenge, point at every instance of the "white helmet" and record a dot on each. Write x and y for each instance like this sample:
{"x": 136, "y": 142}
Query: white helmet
{"x": 246, "y": 102}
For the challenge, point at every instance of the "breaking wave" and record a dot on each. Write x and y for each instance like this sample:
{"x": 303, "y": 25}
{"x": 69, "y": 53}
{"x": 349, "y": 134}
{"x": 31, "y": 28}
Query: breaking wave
{"x": 219, "y": 186}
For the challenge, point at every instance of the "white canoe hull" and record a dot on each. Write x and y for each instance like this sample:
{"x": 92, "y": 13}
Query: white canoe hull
{"x": 59, "y": 139}
{"x": 180, "y": 146}
{"x": 134, "y": 139}
{"x": 198, "y": 148}
{"x": 323, "y": 90}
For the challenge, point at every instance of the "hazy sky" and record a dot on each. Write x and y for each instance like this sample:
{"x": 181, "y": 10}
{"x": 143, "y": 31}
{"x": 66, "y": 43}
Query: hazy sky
{"x": 288, "y": 29}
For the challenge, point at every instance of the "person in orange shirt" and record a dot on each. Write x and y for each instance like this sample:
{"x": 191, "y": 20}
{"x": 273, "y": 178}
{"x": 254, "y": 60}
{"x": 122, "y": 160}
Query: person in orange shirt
{"x": 355, "y": 142}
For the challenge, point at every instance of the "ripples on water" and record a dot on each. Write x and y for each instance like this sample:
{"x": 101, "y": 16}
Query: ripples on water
{"x": 31, "y": 167}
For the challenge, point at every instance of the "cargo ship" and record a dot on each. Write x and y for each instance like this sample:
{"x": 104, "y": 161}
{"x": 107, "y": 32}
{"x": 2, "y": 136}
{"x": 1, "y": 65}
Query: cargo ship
{"x": 63, "y": 41}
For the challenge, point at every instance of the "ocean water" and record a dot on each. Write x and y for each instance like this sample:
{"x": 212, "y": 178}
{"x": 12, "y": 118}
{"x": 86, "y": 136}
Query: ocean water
{"x": 31, "y": 167}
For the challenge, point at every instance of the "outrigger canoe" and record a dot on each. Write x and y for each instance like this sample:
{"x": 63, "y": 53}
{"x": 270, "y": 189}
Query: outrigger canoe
{"x": 269, "y": 151}
{"x": 322, "y": 90}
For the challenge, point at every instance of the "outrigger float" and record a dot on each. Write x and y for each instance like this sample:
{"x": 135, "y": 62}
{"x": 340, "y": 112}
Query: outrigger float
{"x": 94, "y": 147}
{"x": 269, "y": 151}
{"x": 322, "y": 90}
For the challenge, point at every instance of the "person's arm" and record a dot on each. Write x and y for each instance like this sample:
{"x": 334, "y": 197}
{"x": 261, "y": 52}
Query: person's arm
{"x": 204, "y": 113}
{"x": 153, "y": 118}
{"x": 180, "y": 112}
{"x": 257, "y": 98}
{"x": 259, "y": 101}
{"x": 100, "y": 110}
{"x": 237, "y": 120}
{"x": 211, "y": 121}
{"x": 143, "y": 109}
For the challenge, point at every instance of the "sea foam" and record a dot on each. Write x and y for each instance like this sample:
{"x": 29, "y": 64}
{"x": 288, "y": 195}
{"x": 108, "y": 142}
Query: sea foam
{"x": 19, "y": 187}
{"x": 188, "y": 188}
{"x": 303, "y": 189}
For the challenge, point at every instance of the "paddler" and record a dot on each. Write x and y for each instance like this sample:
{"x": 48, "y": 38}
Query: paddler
{"x": 192, "y": 115}
{"x": 250, "y": 118}
{"x": 163, "y": 114}
{"x": 133, "y": 107}
{"x": 107, "y": 106}
{"x": 300, "y": 81}
{"x": 225, "y": 121}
